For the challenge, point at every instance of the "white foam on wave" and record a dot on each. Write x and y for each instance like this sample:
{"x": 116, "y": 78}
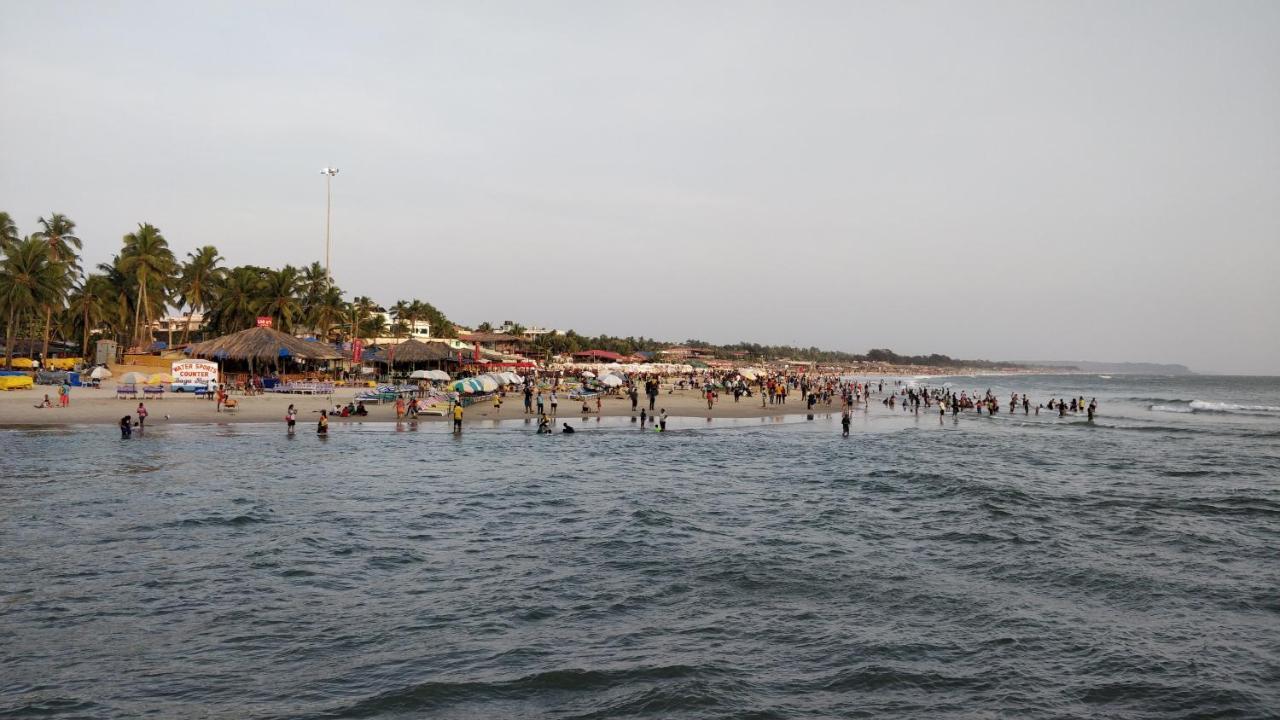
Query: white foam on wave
{"x": 1205, "y": 406}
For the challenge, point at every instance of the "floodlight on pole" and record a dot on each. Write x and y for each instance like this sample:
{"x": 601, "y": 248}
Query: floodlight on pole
{"x": 328, "y": 174}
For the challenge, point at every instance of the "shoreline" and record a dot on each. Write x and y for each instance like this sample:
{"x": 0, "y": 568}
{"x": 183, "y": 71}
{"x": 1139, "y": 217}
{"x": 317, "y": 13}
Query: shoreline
{"x": 100, "y": 407}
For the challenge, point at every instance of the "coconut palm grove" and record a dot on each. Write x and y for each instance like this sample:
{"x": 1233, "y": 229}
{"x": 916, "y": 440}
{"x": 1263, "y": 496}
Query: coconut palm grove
{"x": 49, "y": 300}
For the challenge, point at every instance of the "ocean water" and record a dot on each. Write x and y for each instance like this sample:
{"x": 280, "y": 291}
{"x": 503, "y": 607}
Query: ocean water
{"x": 1015, "y": 566}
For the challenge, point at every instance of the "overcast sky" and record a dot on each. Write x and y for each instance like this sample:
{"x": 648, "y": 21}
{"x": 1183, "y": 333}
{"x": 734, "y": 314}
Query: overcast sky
{"x": 1070, "y": 180}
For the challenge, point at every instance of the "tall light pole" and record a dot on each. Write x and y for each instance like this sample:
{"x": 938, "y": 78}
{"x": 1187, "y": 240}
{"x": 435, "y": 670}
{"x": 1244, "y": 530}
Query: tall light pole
{"x": 328, "y": 174}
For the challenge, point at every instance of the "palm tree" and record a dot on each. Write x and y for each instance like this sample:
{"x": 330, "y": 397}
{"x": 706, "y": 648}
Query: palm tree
{"x": 401, "y": 311}
{"x": 200, "y": 274}
{"x": 484, "y": 327}
{"x": 372, "y": 326}
{"x": 362, "y": 308}
{"x": 90, "y": 305}
{"x": 315, "y": 281}
{"x": 417, "y": 313}
{"x": 58, "y": 231}
{"x": 8, "y": 233}
{"x": 326, "y": 312}
{"x": 28, "y": 282}
{"x": 279, "y": 297}
{"x": 236, "y": 299}
{"x": 149, "y": 263}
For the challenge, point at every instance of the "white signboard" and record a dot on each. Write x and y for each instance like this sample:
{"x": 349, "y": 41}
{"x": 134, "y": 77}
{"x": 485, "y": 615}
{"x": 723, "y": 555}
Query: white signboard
{"x": 194, "y": 372}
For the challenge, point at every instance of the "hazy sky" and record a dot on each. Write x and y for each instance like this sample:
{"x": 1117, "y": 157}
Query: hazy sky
{"x": 1070, "y": 180}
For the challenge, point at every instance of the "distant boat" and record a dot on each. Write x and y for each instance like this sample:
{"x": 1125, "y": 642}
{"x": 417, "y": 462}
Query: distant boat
{"x": 1105, "y": 377}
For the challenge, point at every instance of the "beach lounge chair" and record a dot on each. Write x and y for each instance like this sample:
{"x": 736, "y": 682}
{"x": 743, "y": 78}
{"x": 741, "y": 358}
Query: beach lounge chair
{"x": 154, "y": 391}
{"x": 127, "y": 391}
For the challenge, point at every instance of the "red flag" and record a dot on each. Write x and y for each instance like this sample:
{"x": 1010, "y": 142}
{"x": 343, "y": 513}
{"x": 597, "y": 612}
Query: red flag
{"x": 357, "y": 350}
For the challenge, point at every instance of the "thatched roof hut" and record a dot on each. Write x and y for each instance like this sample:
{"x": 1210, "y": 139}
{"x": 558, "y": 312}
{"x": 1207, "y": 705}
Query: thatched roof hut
{"x": 415, "y": 351}
{"x": 265, "y": 344}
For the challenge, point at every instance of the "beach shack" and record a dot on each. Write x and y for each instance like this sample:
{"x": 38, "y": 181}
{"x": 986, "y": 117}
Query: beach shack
{"x": 260, "y": 349}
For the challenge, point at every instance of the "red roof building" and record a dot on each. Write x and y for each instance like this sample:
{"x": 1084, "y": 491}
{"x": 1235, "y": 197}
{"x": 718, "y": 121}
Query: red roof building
{"x": 597, "y": 356}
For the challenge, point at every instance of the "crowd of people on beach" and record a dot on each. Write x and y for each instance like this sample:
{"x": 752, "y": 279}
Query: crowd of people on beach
{"x": 541, "y": 400}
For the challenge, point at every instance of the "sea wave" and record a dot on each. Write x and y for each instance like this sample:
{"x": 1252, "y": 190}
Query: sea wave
{"x": 1208, "y": 406}
{"x": 1171, "y": 408}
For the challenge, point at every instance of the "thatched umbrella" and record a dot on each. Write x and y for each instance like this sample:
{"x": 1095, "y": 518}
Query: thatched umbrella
{"x": 266, "y": 344}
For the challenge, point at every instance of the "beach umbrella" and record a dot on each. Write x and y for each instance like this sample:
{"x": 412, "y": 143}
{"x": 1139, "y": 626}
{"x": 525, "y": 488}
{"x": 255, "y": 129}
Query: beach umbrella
{"x": 419, "y": 375}
{"x": 100, "y": 373}
{"x": 133, "y": 378}
{"x": 487, "y": 383}
{"x": 611, "y": 381}
{"x": 160, "y": 379}
{"x": 588, "y": 373}
{"x": 437, "y": 375}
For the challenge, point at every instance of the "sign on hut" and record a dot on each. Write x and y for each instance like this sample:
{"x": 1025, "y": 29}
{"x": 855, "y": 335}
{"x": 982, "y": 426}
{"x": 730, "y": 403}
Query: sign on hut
{"x": 194, "y": 372}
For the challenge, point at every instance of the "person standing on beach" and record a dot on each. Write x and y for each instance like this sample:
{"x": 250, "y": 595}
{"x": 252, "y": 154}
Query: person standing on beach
{"x": 142, "y": 417}
{"x": 845, "y": 420}
{"x": 541, "y": 405}
{"x": 221, "y": 397}
{"x": 399, "y": 409}
{"x": 457, "y": 417}
{"x": 64, "y": 395}
{"x": 126, "y": 427}
{"x": 291, "y": 417}
{"x": 554, "y": 403}
{"x": 644, "y": 417}
{"x": 528, "y": 399}
{"x": 322, "y": 426}
{"x": 662, "y": 421}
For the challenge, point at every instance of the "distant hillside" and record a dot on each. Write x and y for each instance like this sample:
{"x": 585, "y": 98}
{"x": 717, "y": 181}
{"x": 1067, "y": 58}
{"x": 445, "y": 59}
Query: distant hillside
{"x": 1124, "y": 368}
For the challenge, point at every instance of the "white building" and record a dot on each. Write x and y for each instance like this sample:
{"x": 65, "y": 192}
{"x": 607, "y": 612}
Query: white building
{"x": 417, "y": 329}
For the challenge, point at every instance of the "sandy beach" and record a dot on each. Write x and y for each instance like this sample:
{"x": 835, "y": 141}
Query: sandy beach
{"x": 100, "y": 406}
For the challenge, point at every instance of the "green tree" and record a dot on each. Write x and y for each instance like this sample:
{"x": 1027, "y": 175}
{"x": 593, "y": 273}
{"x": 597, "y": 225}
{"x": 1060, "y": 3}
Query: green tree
{"x": 149, "y": 263}
{"x": 90, "y": 306}
{"x": 236, "y": 299}
{"x": 362, "y": 324}
{"x": 326, "y": 312}
{"x": 401, "y": 311}
{"x": 29, "y": 281}
{"x": 58, "y": 232}
{"x": 279, "y": 297}
{"x": 198, "y": 282}
{"x": 8, "y": 233}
